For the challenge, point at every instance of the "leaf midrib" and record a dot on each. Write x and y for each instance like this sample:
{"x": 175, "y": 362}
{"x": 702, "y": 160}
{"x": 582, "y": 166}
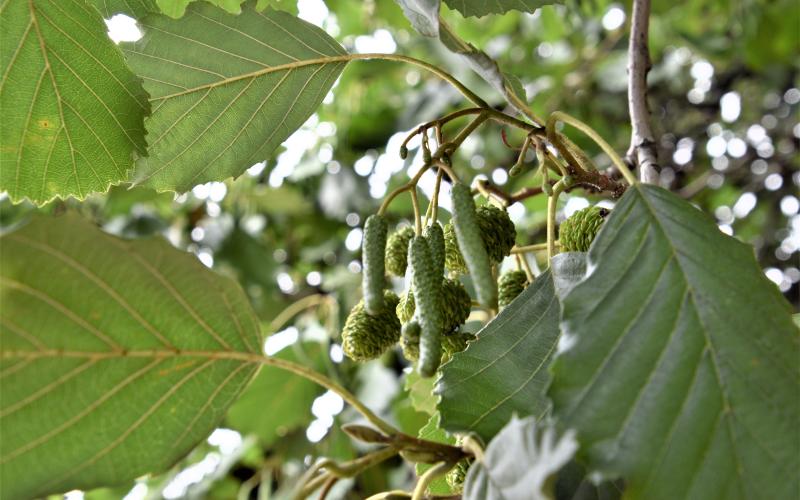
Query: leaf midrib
{"x": 246, "y": 357}
{"x": 727, "y": 411}
{"x": 253, "y": 74}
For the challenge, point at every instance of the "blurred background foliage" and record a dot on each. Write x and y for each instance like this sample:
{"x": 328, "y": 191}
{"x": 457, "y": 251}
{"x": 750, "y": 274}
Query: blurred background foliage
{"x": 725, "y": 99}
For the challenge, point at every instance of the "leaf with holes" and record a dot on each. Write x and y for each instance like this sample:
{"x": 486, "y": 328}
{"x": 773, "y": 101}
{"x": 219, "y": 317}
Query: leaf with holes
{"x": 116, "y": 357}
{"x": 504, "y": 372}
{"x": 226, "y": 90}
{"x": 480, "y": 8}
{"x": 72, "y": 111}
{"x": 682, "y": 375}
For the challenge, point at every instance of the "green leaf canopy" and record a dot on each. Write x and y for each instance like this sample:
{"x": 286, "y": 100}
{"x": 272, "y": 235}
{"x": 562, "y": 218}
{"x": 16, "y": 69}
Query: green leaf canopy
{"x": 72, "y": 111}
{"x": 116, "y": 357}
{"x": 226, "y": 90}
{"x": 682, "y": 375}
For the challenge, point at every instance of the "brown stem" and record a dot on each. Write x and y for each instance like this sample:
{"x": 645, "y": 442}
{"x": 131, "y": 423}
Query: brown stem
{"x": 642, "y": 151}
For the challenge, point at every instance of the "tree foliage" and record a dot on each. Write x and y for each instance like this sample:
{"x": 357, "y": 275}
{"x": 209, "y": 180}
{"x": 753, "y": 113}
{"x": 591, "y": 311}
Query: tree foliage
{"x": 181, "y": 226}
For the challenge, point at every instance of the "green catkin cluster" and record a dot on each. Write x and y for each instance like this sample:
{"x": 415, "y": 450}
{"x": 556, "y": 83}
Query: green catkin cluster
{"x": 468, "y": 234}
{"x": 497, "y": 232}
{"x": 427, "y": 296}
{"x": 509, "y": 286}
{"x": 455, "y": 478}
{"x": 374, "y": 273}
{"x": 577, "y": 233}
{"x": 455, "y": 342}
{"x": 397, "y": 250}
{"x": 367, "y": 336}
{"x": 456, "y": 305}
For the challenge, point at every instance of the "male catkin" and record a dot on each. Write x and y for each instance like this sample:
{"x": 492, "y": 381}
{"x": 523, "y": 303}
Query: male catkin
{"x": 373, "y": 250}
{"x": 427, "y": 295}
{"x": 435, "y": 236}
{"x": 470, "y": 242}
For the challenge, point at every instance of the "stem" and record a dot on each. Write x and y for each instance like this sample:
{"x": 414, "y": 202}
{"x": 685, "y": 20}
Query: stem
{"x": 405, "y": 187}
{"x": 327, "y": 487}
{"x": 489, "y": 191}
{"x": 435, "y": 197}
{"x": 295, "y": 308}
{"x": 522, "y": 262}
{"x": 642, "y": 151}
{"x": 552, "y": 202}
{"x": 446, "y": 168}
{"x": 592, "y": 134}
{"x": 417, "y": 215}
{"x": 464, "y": 133}
{"x": 444, "y": 75}
{"x": 329, "y": 384}
{"x": 501, "y": 117}
{"x": 531, "y": 248}
{"x": 428, "y": 477}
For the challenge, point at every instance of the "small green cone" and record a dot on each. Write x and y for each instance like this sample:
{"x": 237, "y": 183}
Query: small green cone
{"x": 455, "y": 342}
{"x": 397, "y": 250}
{"x": 366, "y": 337}
{"x": 510, "y": 285}
{"x": 456, "y": 305}
{"x": 455, "y": 478}
{"x": 498, "y": 234}
{"x": 577, "y": 233}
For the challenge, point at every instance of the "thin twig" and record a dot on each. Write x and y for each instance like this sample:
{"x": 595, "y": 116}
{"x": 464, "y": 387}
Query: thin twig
{"x": 642, "y": 151}
{"x": 428, "y": 477}
{"x": 295, "y": 308}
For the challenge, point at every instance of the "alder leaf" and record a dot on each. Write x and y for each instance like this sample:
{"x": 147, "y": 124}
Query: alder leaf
{"x": 420, "y": 391}
{"x": 681, "y": 365}
{"x": 136, "y": 9}
{"x": 423, "y": 15}
{"x": 226, "y": 90}
{"x": 116, "y": 357}
{"x": 519, "y": 461}
{"x": 72, "y": 111}
{"x": 432, "y": 432}
{"x": 177, "y": 8}
{"x": 504, "y": 371}
{"x": 480, "y": 8}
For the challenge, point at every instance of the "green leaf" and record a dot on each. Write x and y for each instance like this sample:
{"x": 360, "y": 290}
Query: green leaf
{"x": 519, "y": 461}
{"x": 504, "y": 372}
{"x": 480, "y": 8}
{"x": 226, "y": 90}
{"x": 173, "y": 8}
{"x": 423, "y": 15}
{"x": 682, "y": 374}
{"x": 116, "y": 356}
{"x": 432, "y": 432}
{"x": 420, "y": 391}
{"x": 72, "y": 111}
{"x": 277, "y": 401}
{"x": 136, "y": 9}
{"x": 177, "y": 8}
